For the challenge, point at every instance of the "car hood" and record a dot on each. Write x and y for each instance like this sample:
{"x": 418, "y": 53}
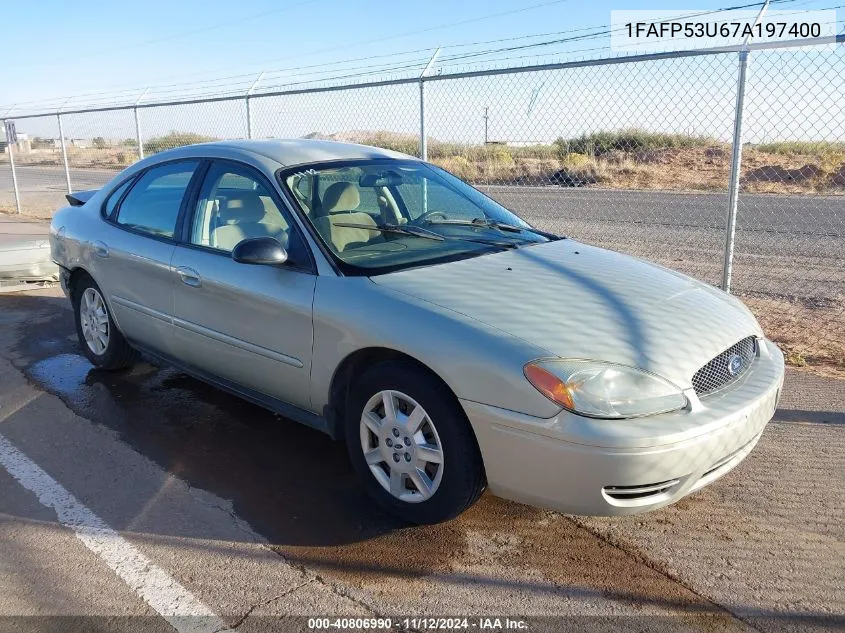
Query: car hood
{"x": 579, "y": 301}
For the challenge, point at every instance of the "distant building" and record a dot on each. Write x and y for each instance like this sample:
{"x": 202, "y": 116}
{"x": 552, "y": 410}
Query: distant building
{"x": 23, "y": 146}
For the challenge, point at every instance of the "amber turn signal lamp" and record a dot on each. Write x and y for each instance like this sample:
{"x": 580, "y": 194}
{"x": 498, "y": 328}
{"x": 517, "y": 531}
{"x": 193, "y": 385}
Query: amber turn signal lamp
{"x": 549, "y": 385}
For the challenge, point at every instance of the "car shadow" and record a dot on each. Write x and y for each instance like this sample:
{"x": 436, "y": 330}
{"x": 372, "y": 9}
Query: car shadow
{"x": 292, "y": 484}
{"x": 809, "y": 417}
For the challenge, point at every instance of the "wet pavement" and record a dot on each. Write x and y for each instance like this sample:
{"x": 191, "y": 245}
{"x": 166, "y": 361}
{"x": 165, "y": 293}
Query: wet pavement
{"x": 293, "y": 490}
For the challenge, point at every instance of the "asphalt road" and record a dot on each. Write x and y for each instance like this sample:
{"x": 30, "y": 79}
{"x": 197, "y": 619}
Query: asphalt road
{"x": 210, "y": 505}
{"x": 786, "y": 246}
{"x": 40, "y": 178}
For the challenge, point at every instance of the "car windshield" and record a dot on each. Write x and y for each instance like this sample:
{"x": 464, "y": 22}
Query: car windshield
{"x": 383, "y": 215}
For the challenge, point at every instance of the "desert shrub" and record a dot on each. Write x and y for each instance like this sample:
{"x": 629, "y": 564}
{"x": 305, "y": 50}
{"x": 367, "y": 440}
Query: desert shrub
{"x": 575, "y": 160}
{"x": 832, "y": 161}
{"x": 459, "y": 166}
{"x": 629, "y": 140}
{"x": 438, "y": 149}
{"x": 174, "y": 139}
{"x": 498, "y": 155}
{"x": 394, "y": 142}
{"x": 801, "y": 147}
{"x": 98, "y": 142}
{"x": 533, "y": 151}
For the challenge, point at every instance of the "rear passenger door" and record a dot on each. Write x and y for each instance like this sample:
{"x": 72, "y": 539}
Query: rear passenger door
{"x": 132, "y": 260}
{"x": 247, "y": 324}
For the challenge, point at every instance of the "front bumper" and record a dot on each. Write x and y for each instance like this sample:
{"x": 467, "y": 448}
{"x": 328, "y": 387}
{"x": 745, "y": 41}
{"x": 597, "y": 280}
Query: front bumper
{"x": 584, "y": 466}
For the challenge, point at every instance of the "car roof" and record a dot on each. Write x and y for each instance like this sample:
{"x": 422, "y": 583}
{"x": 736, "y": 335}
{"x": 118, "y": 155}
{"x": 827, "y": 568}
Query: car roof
{"x": 288, "y": 152}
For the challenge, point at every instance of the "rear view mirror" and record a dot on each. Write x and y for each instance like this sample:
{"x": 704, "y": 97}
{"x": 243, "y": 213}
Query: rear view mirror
{"x": 384, "y": 179}
{"x": 260, "y": 250}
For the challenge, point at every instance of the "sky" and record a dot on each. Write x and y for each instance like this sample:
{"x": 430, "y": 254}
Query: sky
{"x": 55, "y": 48}
{"x": 55, "y": 51}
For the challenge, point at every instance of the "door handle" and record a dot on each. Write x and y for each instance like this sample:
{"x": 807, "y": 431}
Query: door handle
{"x": 100, "y": 249}
{"x": 189, "y": 276}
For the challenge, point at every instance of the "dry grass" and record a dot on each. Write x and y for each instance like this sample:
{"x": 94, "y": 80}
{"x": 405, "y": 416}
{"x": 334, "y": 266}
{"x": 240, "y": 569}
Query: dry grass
{"x": 670, "y": 169}
{"x": 632, "y": 159}
{"x": 626, "y": 159}
{"x": 115, "y": 158}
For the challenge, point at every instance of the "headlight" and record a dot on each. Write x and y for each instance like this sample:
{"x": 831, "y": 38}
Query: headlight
{"x": 603, "y": 390}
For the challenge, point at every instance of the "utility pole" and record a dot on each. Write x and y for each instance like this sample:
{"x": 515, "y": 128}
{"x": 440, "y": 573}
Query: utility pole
{"x": 486, "y": 119}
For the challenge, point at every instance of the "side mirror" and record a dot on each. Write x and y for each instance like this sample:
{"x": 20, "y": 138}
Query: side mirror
{"x": 260, "y": 250}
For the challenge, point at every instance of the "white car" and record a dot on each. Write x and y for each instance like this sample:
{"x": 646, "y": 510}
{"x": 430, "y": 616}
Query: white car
{"x": 451, "y": 345}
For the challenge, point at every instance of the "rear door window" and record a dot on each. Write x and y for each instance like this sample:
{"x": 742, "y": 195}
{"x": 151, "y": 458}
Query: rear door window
{"x": 152, "y": 205}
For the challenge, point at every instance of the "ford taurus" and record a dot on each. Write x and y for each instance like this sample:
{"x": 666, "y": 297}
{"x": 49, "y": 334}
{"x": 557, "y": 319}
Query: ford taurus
{"x": 453, "y": 346}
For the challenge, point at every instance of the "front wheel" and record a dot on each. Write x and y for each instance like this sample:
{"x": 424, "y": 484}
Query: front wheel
{"x": 101, "y": 341}
{"x": 411, "y": 445}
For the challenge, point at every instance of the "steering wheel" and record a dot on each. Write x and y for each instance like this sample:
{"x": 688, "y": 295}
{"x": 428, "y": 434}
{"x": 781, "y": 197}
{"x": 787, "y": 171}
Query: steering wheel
{"x": 431, "y": 214}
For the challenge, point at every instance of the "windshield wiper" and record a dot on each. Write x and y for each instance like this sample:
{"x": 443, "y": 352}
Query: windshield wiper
{"x": 495, "y": 224}
{"x": 417, "y": 231}
{"x": 394, "y": 228}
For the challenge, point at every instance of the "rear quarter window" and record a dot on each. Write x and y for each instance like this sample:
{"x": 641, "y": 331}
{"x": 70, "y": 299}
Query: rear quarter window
{"x": 114, "y": 198}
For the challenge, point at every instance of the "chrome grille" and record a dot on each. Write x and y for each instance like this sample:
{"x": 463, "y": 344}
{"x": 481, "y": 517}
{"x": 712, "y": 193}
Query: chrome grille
{"x": 725, "y": 368}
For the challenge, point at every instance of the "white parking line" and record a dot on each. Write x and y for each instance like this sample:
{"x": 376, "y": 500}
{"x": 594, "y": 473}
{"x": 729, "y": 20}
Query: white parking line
{"x": 164, "y": 594}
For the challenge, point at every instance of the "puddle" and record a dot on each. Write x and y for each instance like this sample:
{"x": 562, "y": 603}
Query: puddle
{"x": 64, "y": 374}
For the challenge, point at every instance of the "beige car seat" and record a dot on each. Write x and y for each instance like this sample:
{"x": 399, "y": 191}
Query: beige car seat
{"x": 339, "y": 205}
{"x": 244, "y": 216}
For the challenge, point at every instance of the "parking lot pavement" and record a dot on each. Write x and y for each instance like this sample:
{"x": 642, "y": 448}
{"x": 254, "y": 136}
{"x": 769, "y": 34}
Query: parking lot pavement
{"x": 253, "y": 516}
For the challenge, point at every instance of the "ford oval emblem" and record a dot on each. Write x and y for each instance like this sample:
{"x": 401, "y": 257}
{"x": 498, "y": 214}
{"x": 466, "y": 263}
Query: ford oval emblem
{"x": 734, "y": 364}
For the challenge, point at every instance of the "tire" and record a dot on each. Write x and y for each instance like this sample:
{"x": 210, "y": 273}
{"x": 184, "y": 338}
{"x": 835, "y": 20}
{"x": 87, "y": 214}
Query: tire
{"x": 109, "y": 350}
{"x": 448, "y": 487}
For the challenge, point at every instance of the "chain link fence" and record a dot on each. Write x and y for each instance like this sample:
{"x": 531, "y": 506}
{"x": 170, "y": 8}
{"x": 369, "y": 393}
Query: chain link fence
{"x": 600, "y": 152}
{"x": 635, "y": 154}
{"x": 789, "y": 263}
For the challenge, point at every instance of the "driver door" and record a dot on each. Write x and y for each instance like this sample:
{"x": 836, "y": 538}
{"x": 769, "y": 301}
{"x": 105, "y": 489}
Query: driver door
{"x": 247, "y": 324}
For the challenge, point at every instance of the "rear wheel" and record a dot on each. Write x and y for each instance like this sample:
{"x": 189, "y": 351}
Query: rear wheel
{"x": 102, "y": 343}
{"x": 411, "y": 445}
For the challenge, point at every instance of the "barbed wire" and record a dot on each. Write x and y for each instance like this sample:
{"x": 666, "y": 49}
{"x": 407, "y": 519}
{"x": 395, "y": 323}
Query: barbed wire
{"x": 337, "y": 71}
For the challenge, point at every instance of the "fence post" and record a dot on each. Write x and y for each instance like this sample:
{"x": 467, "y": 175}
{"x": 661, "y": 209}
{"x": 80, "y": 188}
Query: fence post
{"x": 248, "y": 110}
{"x": 138, "y": 135}
{"x": 9, "y": 146}
{"x": 64, "y": 151}
{"x": 736, "y": 156}
{"x": 736, "y": 164}
{"x": 423, "y": 142}
{"x": 138, "y": 138}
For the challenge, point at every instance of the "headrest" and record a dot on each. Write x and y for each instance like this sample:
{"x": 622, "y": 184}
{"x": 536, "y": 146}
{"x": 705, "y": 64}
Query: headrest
{"x": 244, "y": 207}
{"x": 341, "y": 196}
